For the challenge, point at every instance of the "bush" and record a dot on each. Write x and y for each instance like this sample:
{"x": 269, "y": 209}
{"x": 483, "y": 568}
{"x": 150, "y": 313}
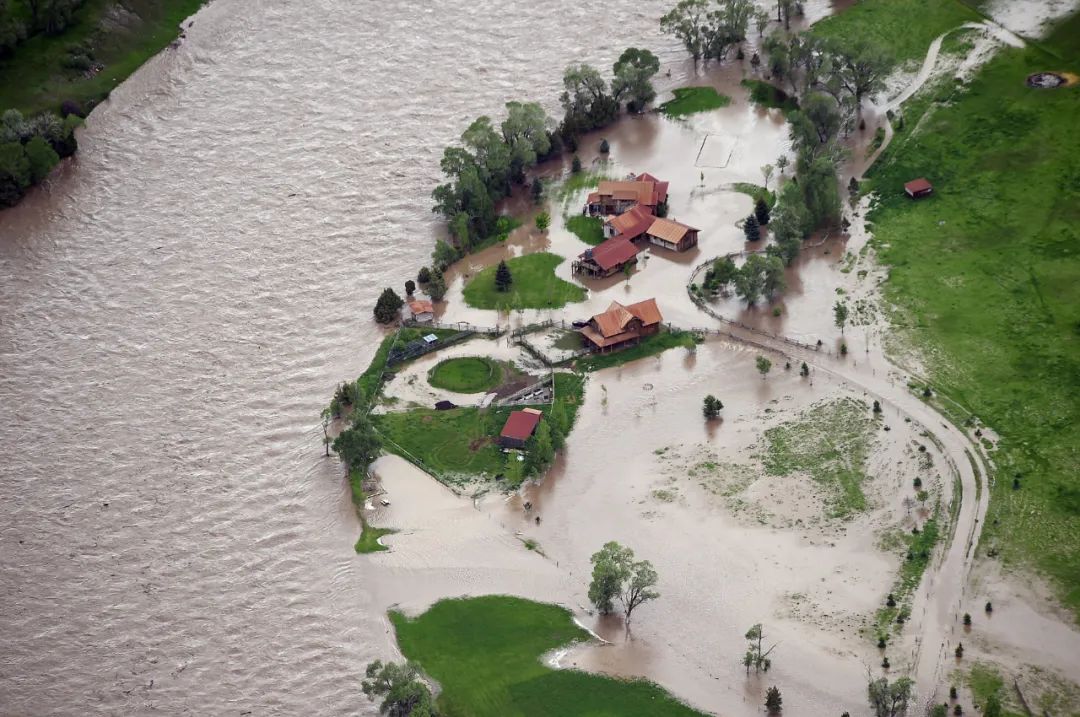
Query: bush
{"x": 436, "y": 288}
{"x": 42, "y": 159}
{"x": 424, "y": 275}
{"x": 711, "y": 407}
{"x": 410, "y": 287}
{"x": 71, "y": 107}
{"x": 79, "y": 62}
{"x": 388, "y": 307}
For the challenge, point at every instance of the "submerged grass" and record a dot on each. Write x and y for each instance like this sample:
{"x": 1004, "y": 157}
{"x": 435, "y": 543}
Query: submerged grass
{"x": 535, "y": 286}
{"x": 904, "y": 28}
{"x": 588, "y": 229}
{"x": 689, "y": 100}
{"x": 485, "y": 652}
{"x": 368, "y": 542}
{"x": 649, "y": 346}
{"x": 830, "y": 443}
{"x": 34, "y": 79}
{"x": 983, "y": 275}
{"x": 578, "y": 181}
{"x": 918, "y": 551}
{"x": 766, "y": 95}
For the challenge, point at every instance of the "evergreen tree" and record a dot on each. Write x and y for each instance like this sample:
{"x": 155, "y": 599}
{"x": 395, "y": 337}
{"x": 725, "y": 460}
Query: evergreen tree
{"x": 575, "y": 166}
{"x": 773, "y": 700}
{"x": 388, "y": 307}
{"x": 424, "y": 275}
{"x": 537, "y": 190}
{"x": 410, "y": 287}
{"x": 761, "y": 211}
{"x": 751, "y": 228}
{"x": 503, "y": 277}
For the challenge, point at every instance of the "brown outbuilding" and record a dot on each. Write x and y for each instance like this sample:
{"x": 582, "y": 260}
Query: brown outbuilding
{"x": 519, "y": 427}
{"x": 918, "y": 188}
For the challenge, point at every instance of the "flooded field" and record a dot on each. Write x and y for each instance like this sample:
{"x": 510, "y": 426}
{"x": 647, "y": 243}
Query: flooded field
{"x": 178, "y": 303}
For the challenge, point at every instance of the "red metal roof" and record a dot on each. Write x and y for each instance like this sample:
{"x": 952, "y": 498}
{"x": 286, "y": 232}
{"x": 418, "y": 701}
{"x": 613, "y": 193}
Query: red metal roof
{"x": 520, "y": 425}
{"x": 918, "y": 185}
{"x": 612, "y": 252}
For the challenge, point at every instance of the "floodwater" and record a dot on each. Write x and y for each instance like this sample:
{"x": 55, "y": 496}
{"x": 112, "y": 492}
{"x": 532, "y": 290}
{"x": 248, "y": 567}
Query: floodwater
{"x": 178, "y": 302}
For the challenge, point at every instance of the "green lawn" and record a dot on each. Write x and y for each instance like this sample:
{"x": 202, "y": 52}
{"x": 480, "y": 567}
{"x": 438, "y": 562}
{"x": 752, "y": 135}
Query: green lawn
{"x": 689, "y": 100}
{"x": 462, "y": 443}
{"x": 767, "y": 95}
{"x": 829, "y": 442}
{"x": 35, "y": 79}
{"x": 485, "y": 653}
{"x": 649, "y": 346}
{"x": 588, "y": 229}
{"x": 984, "y": 275}
{"x": 467, "y": 374}
{"x": 535, "y": 286}
{"x": 905, "y": 28}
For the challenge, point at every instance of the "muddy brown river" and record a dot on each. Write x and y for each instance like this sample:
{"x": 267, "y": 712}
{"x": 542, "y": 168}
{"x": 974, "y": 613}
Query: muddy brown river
{"x": 176, "y": 305}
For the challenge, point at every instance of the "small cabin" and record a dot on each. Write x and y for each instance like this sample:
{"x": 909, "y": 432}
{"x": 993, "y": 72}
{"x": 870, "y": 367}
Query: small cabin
{"x": 917, "y": 188}
{"x": 421, "y": 311}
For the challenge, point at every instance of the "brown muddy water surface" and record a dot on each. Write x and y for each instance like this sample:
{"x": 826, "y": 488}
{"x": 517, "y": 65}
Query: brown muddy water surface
{"x": 179, "y": 301}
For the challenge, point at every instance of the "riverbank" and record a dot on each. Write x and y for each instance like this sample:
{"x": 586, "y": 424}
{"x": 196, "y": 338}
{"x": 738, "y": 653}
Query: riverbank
{"x": 103, "y": 45}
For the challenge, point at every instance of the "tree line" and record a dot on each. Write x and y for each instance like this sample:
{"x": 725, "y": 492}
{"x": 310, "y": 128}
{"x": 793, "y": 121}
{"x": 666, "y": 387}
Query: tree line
{"x": 19, "y": 21}
{"x": 30, "y": 148}
{"x": 492, "y": 158}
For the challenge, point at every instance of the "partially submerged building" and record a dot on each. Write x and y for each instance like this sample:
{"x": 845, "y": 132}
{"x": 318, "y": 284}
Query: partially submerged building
{"x": 622, "y": 326}
{"x": 616, "y": 197}
{"x": 672, "y": 235}
{"x": 610, "y": 257}
{"x": 519, "y": 427}
{"x": 421, "y": 310}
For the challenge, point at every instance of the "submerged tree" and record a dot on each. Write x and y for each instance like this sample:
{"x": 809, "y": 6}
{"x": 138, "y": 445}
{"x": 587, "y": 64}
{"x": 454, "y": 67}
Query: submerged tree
{"x": 543, "y": 221}
{"x": 436, "y": 287}
{"x": 358, "y": 445}
{"x": 711, "y": 407}
{"x": 756, "y": 655}
{"x": 751, "y": 228}
{"x": 889, "y": 700}
{"x": 388, "y": 307}
{"x": 763, "y": 365}
{"x": 761, "y": 211}
{"x": 688, "y": 21}
{"x": 616, "y": 575}
{"x": 840, "y": 315}
{"x": 773, "y": 701}
{"x": 633, "y": 78}
{"x": 402, "y": 692}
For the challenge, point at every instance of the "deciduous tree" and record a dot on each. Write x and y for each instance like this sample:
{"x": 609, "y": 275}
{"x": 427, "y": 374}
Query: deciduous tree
{"x": 402, "y": 692}
{"x": 633, "y": 78}
{"x": 840, "y": 315}
{"x": 889, "y": 700}
{"x": 763, "y": 365}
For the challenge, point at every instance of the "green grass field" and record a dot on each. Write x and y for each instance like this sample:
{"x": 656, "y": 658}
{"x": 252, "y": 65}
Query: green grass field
{"x": 467, "y": 374}
{"x": 905, "y": 28}
{"x": 35, "y": 79}
{"x": 485, "y": 653}
{"x": 689, "y": 100}
{"x": 368, "y": 542}
{"x": 462, "y": 443}
{"x": 984, "y": 278}
{"x": 535, "y": 286}
{"x": 588, "y": 229}
{"x": 830, "y": 443}
{"x": 649, "y": 346}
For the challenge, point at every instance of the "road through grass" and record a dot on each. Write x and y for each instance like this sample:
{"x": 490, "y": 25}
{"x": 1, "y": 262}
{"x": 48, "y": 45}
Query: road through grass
{"x": 984, "y": 281}
{"x": 485, "y": 654}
